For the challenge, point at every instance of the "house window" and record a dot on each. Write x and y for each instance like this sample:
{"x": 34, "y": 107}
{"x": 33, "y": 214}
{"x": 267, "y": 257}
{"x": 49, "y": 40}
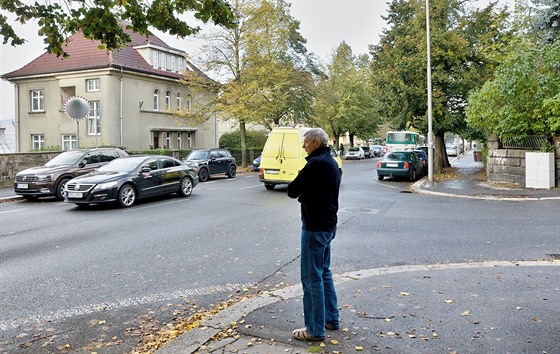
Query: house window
{"x": 168, "y": 100}
{"x": 173, "y": 68}
{"x": 180, "y": 64}
{"x": 38, "y": 141}
{"x": 188, "y": 103}
{"x": 189, "y": 140}
{"x": 37, "y": 101}
{"x": 92, "y": 85}
{"x": 156, "y": 100}
{"x": 179, "y": 145}
{"x": 162, "y": 60}
{"x": 69, "y": 142}
{"x": 178, "y": 101}
{"x": 155, "y": 59}
{"x": 93, "y": 121}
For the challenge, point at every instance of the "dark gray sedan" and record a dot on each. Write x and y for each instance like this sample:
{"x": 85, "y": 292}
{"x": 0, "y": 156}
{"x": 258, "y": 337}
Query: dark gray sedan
{"x": 128, "y": 179}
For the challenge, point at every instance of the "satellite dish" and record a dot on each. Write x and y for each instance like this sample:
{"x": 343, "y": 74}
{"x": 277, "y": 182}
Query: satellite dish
{"x": 76, "y": 108}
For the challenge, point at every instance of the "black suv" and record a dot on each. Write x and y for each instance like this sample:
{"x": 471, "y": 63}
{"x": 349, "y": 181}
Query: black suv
{"x": 211, "y": 162}
{"x": 50, "y": 179}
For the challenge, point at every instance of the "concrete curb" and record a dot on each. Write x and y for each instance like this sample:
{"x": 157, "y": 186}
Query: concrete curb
{"x": 417, "y": 188}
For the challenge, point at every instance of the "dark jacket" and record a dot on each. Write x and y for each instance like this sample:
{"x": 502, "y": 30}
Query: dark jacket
{"x": 316, "y": 187}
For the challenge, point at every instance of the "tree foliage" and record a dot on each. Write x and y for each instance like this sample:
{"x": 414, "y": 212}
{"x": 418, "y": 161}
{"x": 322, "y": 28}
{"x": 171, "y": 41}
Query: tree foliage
{"x": 99, "y": 19}
{"x": 465, "y": 47}
{"x": 266, "y": 70}
{"x": 547, "y": 20}
{"x": 523, "y": 98}
{"x": 344, "y": 101}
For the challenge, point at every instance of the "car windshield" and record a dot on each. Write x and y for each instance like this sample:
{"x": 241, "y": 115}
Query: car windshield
{"x": 354, "y": 149}
{"x": 398, "y": 156}
{"x": 198, "y": 155}
{"x": 121, "y": 165}
{"x": 365, "y": 148}
{"x": 66, "y": 158}
{"x": 376, "y": 147}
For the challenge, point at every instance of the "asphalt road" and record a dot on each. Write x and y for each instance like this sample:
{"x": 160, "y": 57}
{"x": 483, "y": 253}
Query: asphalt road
{"x": 105, "y": 278}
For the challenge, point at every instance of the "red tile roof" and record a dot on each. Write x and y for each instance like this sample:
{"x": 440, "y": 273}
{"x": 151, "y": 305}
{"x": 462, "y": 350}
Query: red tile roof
{"x": 84, "y": 54}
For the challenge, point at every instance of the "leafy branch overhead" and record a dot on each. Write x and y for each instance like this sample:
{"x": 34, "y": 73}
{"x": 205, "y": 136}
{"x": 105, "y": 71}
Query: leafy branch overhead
{"x": 99, "y": 19}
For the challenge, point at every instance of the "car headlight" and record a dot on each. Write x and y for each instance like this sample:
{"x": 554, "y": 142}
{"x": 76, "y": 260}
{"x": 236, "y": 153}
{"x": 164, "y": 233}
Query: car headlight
{"x": 106, "y": 185}
{"x": 44, "y": 178}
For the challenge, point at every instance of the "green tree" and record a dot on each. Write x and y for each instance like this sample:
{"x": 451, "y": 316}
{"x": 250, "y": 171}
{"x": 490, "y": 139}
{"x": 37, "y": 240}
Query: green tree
{"x": 465, "y": 44}
{"x": 547, "y": 20}
{"x": 265, "y": 66}
{"x": 344, "y": 102}
{"x": 232, "y": 140}
{"x": 523, "y": 98}
{"x": 99, "y": 19}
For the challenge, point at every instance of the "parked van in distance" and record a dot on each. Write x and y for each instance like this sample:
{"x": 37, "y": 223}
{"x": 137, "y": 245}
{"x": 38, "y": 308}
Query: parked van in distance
{"x": 283, "y": 156}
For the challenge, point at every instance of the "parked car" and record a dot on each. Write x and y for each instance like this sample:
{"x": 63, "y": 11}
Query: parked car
{"x": 210, "y": 162}
{"x": 355, "y": 152}
{"x": 378, "y": 150}
{"x": 423, "y": 159}
{"x": 49, "y": 180}
{"x": 131, "y": 178}
{"x": 399, "y": 164}
{"x": 367, "y": 151}
{"x": 451, "y": 150}
{"x": 257, "y": 163}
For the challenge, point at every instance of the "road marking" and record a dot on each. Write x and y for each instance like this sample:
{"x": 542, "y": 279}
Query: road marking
{"x": 255, "y": 186}
{"x": 6, "y": 325}
{"x": 10, "y": 211}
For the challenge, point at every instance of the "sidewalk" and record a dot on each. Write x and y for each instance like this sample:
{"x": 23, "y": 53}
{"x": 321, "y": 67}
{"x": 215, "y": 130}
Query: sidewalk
{"x": 476, "y": 307}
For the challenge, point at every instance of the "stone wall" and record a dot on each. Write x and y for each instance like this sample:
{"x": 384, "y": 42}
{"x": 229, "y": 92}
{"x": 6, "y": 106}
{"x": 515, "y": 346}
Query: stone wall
{"x": 10, "y": 164}
{"x": 508, "y": 165}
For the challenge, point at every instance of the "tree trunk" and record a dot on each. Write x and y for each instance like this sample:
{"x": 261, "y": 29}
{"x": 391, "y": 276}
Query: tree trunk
{"x": 243, "y": 133}
{"x": 440, "y": 158}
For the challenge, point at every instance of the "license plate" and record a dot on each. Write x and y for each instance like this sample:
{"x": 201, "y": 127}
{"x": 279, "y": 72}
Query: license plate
{"x": 392, "y": 165}
{"x": 272, "y": 172}
{"x": 75, "y": 195}
{"x": 22, "y": 185}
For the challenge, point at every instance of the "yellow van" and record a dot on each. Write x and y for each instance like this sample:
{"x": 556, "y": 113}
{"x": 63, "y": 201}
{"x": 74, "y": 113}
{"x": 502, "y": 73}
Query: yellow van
{"x": 283, "y": 156}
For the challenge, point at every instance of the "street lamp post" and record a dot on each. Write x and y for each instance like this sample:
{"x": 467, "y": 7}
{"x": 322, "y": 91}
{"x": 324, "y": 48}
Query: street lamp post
{"x": 429, "y": 75}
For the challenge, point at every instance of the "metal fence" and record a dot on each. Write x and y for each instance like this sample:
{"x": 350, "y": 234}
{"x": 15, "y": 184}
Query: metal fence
{"x": 530, "y": 142}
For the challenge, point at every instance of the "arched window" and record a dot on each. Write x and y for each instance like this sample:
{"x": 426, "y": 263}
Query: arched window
{"x": 178, "y": 101}
{"x": 156, "y": 100}
{"x": 188, "y": 102}
{"x": 168, "y": 100}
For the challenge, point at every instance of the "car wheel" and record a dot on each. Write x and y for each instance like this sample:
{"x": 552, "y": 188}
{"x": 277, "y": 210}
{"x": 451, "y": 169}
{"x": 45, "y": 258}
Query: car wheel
{"x": 269, "y": 186}
{"x": 203, "y": 175}
{"x": 231, "y": 171}
{"x": 380, "y": 177}
{"x": 127, "y": 196}
{"x": 60, "y": 193}
{"x": 413, "y": 178}
{"x": 186, "y": 187}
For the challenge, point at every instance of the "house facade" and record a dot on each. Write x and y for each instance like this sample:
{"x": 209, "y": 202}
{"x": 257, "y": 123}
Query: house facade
{"x": 133, "y": 95}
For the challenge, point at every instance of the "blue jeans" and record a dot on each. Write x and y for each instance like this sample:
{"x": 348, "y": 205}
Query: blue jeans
{"x": 319, "y": 297}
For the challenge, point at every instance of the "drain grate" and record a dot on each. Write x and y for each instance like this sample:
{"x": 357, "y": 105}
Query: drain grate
{"x": 554, "y": 255}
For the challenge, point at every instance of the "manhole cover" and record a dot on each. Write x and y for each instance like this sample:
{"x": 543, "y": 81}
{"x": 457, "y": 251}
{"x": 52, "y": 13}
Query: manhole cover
{"x": 360, "y": 210}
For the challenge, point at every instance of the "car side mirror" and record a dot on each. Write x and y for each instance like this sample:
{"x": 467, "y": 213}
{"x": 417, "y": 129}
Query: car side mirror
{"x": 83, "y": 163}
{"x": 145, "y": 170}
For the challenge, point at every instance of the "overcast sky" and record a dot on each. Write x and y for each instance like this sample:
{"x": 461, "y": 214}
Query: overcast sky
{"x": 324, "y": 23}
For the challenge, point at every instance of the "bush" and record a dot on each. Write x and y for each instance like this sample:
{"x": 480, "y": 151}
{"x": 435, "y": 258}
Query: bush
{"x": 255, "y": 140}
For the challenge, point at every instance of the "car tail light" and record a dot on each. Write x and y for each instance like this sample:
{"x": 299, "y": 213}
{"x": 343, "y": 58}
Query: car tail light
{"x": 406, "y": 165}
{"x": 378, "y": 164}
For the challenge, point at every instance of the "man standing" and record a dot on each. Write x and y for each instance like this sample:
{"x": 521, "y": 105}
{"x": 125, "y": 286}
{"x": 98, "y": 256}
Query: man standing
{"x": 316, "y": 187}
